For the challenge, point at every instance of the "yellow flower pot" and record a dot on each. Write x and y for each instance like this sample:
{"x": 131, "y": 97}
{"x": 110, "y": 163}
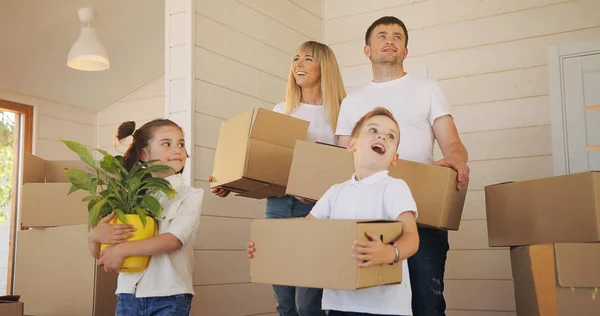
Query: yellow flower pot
{"x": 137, "y": 263}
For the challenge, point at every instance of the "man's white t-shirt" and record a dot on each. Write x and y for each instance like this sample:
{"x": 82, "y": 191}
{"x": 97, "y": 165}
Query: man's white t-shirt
{"x": 415, "y": 103}
{"x": 377, "y": 197}
{"x": 319, "y": 129}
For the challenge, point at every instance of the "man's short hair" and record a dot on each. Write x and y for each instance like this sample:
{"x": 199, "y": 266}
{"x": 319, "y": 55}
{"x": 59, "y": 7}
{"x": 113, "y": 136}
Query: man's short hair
{"x": 386, "y": 20}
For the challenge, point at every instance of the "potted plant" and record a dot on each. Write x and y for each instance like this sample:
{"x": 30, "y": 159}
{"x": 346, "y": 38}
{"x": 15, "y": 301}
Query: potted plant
{"x": 127, "y": 193}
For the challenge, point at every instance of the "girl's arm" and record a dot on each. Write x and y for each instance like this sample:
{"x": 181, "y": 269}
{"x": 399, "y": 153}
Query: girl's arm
{"x": 108, "y": 234}
{"x": 163, "y": 243}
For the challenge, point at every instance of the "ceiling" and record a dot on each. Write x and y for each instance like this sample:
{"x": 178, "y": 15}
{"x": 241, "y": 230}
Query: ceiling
{"x": 36, "y": 36}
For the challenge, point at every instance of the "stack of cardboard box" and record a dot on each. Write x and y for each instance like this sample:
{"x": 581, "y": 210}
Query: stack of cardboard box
{"x": 553, "y": 228}
{"x": 54, "y": 273}
{"x": 261, "y": 153}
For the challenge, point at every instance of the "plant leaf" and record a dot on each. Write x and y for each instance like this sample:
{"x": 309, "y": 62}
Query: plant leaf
{"x": 142, "y": 214}
{"x": 152, "y": 204}
{"x": 94, "y": 214}
{"x": 121, "y": 216}
{"x": 103, "y": 152}
{"x": 90, "y": 197}
{"x": 80, "y": 179}
{"x": 159, "y": 168}
{"x": 81, "y": 151}
{"x": 108, "y": 164}
{"x": 72, "y": 189}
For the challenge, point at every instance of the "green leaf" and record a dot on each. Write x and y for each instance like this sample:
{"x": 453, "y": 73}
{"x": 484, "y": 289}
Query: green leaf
{"x": 108, "y": 164}
{"x": 142, "y": 214}
{"x": 94, "y": 214}
{"x": 103, "y": 152}
{"x": 152, "y": 204}
{"x": 72, "y": 189}
{"x": 90, "y": 197}
{"x": 80, "y": 179}
{"x": 121, "y": 215}
{"x": 81, "y": 151}
{"x": 160, "y": 168}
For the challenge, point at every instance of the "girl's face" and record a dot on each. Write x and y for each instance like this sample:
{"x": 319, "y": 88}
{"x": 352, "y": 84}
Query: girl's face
{"x": 306, "y": 70}
{"x": 168, "y": 146}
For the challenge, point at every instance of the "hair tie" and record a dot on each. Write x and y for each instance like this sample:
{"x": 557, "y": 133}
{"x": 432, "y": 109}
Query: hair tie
{"x": 133, "y": 133}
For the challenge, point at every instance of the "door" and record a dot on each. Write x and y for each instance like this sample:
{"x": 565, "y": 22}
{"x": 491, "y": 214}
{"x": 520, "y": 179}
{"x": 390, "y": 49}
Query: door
{"x": 575, "y": 97}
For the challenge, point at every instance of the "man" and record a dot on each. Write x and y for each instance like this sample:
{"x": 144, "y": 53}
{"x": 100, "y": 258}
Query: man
{"x": 423, "y": 115}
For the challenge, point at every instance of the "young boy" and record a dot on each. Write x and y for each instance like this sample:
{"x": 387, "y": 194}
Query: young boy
{"x": 372, "y": 194}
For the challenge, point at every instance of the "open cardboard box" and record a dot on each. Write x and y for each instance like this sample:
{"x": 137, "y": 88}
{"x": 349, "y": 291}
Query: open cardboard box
{"x": 44, "y": 200}
{"x": 316, "y": 167}
{"x": 10, "y": 306}
{"x": 254, "y": 152}
{"x": 557, "y": 279}
{"x": 56, "y": 275}
{"x": 554, "y": 209}
{"x": 316, "y": 253}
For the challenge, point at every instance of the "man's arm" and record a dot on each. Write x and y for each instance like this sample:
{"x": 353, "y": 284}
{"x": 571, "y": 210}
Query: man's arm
{"x": 455, "y": 153}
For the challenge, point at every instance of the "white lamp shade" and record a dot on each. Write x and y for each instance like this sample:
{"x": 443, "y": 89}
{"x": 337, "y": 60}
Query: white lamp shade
{"x": 88, "y": 53}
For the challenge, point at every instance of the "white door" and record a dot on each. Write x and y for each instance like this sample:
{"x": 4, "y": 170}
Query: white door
{"x": 575, "y": 97}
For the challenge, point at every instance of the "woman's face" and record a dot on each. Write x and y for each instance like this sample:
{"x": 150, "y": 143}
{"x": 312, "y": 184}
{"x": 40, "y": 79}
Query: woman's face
{"x": 306, "y": 70}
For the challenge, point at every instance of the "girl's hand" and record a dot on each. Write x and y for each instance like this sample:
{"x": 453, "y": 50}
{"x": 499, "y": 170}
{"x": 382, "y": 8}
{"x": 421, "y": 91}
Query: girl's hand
{"x": 304, "y": 201}
{"x": 250, "y": 249}
{"x": 111, "y": 258}
{"x": 219, "y": 192}
{"x": 372, "y": 252}
{"x": 111, "y": 234}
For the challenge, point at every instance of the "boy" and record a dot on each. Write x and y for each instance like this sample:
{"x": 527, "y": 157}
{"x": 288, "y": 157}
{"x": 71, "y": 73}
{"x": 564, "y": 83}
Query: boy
{"x": 372, "y": 194}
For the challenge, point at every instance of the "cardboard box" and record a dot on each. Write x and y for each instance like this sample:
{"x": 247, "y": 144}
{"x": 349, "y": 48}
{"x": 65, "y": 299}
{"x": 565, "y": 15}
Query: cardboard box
{"x": 44, "y": 200}
{"x": 316, "y": 167}
{"x": 55, "y": 274}
{"x": 10, "y": 306}
{"x": 316, "y": 253}
{"x": 557, "y": 279}
{"x": 254, "y": 153}
{"x": 555, "y": 209}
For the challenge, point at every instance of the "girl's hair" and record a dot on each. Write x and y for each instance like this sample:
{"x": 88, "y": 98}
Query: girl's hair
{"x": 332, "y": 87}
{"x": 141, "y": 137}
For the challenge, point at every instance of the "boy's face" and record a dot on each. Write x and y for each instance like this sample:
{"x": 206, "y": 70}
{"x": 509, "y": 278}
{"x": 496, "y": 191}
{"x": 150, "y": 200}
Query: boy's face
{"x": 377, "y": 143}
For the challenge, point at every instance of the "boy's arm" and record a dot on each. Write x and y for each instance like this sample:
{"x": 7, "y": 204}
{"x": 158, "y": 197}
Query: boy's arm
{"x": 408, "y": 243}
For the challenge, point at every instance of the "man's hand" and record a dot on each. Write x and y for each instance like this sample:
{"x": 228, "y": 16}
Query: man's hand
{"x": 461, "y": 168}
{"x": 111, "y": 258}
{"x": 372, "y": 252}
{"x": 111, "y": 234}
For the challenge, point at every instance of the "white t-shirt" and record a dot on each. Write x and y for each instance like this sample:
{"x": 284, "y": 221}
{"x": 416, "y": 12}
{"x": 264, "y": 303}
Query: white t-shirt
{"x": 376, "y": 197}
{"x": 170, "y": 274}
{"x": 319, "y": 129}
{"x": 415, "y": 103}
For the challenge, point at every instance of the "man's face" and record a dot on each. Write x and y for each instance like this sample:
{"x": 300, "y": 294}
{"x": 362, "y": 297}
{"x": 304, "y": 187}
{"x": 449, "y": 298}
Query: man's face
{"x": 388, "y": 45}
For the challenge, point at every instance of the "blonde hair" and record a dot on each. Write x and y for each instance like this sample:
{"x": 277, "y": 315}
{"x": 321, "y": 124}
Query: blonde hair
{"x": 332, "y": 87}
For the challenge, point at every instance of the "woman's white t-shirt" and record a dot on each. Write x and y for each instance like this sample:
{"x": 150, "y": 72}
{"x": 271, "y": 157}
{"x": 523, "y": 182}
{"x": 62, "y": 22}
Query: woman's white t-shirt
{"x": 319, "y": 129}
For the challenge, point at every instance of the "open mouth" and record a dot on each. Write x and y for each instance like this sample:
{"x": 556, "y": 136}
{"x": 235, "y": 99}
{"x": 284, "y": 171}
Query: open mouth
{"x": 389, "y": 50}
{"x": 378, "y": 148}
{"x": 300, "y": 73}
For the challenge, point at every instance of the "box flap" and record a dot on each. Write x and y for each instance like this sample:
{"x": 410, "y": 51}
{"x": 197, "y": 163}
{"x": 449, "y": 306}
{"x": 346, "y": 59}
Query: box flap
{"x": 577, "y": 264}
{"x": 55, "y": 169}
{"x": 277, "y": 128}
{"x": 58, "y": 209}
{"x": 268, "y": 162}
{"x": 34, "y": 169}
{"x": 230, "y": 154}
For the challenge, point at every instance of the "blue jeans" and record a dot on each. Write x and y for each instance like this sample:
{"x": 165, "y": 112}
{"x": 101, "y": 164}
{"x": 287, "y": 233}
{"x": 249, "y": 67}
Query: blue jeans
{"x": 175, "y": 305}
{"x": 427, "y": 268}
{"x": 292, "y": 300}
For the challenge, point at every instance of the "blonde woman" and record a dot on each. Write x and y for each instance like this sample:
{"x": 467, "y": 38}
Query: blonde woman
{"x": 314, "y": 93}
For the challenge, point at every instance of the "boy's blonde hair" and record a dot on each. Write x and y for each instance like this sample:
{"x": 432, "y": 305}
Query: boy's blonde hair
{"x": 332, "y": 87}
{"x": 375, "y": 112}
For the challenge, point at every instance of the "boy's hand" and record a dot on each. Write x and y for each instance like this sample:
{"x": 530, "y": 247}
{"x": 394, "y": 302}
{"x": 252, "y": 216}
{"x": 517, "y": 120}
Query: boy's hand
{"x": 372, "y": 252}
{"x": 250, "y": 249}
{"x": 219, "y": 192}
{"x": 111, "y": 234}
{"x": 111, "y": 258}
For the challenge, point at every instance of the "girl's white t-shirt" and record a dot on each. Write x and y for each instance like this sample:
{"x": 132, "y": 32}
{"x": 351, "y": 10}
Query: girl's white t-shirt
{"x": 319, "y": 129}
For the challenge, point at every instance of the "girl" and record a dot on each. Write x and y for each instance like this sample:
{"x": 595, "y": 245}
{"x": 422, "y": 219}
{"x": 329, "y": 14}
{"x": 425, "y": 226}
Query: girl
{"x": 165, "y": 287}
{"x": 314, "y": 93}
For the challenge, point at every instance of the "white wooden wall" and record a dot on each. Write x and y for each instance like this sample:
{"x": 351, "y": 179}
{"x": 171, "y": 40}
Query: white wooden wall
{"x": 54, "y": 121}
{"x": 490, "y": 58}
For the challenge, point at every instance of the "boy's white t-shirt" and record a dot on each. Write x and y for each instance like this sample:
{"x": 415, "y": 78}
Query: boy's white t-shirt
{"x": 170, "y": 274}
{"x": 319, "y": 129}
{"x": 376, "y": 197}
{"x": 415, "y": 103}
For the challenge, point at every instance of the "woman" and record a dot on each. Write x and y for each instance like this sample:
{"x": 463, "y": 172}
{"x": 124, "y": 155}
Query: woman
{"x": 314, "y": 93}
